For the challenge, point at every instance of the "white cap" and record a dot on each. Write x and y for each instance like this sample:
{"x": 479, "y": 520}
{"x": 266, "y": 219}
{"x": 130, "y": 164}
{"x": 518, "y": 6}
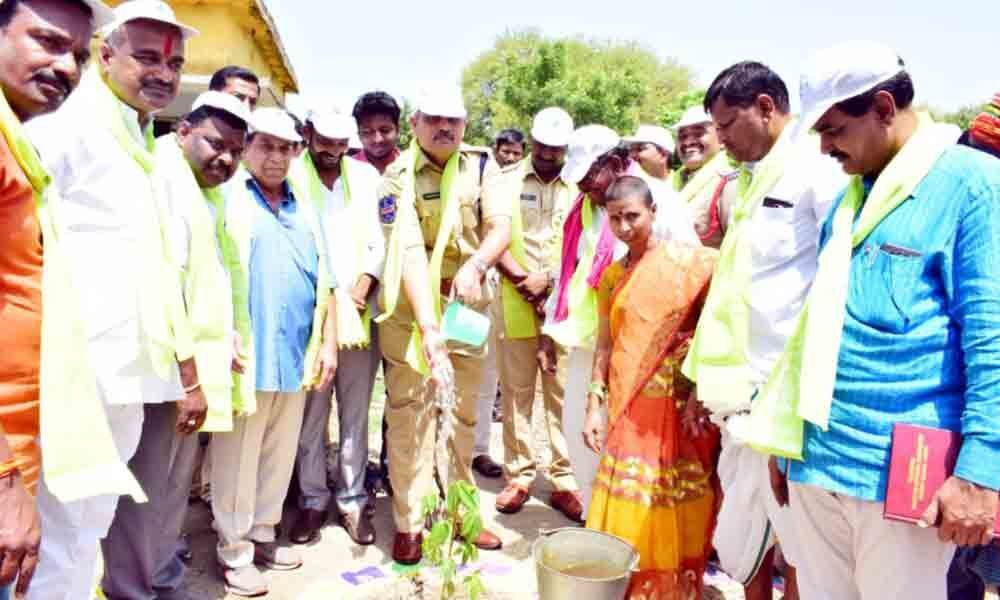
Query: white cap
{"x": 694, "y": 115}
{"x": 441, "y": 100}
{"x": 333, "y": 125}
{"x": 276, "y": 122}
{"x": 153, "y": 10}
{"x": 586, "y": 145}
{"x": 552, "y": 126}
{"x": 653, "y": 135}
{"x": 222, "y": 101}
{"x": 102, "y": 14}
{"x": 841, "y": 72}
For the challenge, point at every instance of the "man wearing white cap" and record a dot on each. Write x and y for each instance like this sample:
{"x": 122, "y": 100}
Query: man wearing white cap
{"x": 139, "y": 551}
{"x": 292, "y": 314}
{"x": 463, "y": 203}
{"x": 705, "y": 179}
{"x": 345, "y": 193}
{"x": 766, "y": 264}
{"x": 900, "y": 327}
{"x": 99, "y": 149}
{"x": 596, "y": 158}
{"x": 35, "y": 79}
{"x": 527, "y": 269}
{"x": 651, "y": 146}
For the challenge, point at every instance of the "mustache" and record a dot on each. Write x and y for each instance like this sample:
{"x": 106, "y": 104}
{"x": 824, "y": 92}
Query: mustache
{"x": 54, "y": 79}
{"x": 444, "y": 136}
{"x": 155, "y": 82}
{"x": 327, "y": 156}
{"x": 838, "y": 155}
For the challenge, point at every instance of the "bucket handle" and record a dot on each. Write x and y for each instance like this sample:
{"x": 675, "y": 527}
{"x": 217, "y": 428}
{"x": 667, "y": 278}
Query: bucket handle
{"x": 549, "y": 532}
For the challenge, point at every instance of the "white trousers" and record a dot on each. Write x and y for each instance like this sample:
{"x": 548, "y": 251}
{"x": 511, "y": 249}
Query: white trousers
{"x": 750, "y": 520}
{"x": 67, "y": 566}
{"x": 849, "y": 551}
{"x": 251, "y": 470}
{"x": 486, "y": 397}
{"x": 579, "y": 366}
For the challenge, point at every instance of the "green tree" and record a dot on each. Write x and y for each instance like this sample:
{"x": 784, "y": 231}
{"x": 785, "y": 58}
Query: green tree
{"x": 961, "y": 117}
{"x": 671, "y": 112}
{"x": 405, "y": 129}
{"x": 618, "y": 84}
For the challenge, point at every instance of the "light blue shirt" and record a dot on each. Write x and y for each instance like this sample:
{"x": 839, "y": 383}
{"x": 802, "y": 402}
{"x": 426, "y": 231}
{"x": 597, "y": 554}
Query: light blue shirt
{"x": 921, "y": 340}
{"x": 284, "y": 266}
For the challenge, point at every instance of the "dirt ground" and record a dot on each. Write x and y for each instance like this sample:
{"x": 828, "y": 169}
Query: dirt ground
{"x": 336, "y": 569}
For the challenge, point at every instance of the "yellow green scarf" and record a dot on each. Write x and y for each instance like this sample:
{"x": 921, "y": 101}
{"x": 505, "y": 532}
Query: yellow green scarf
{"x": 161, "y": 307}
{"x": 801, "y": 386}
{"x": 80, "y": 457}
{"x": 717, "y": 360}
{"x": 518, "y": 314}
{"x": 393, "y": 275}
{"x": 703, "y": 180}
{"x": 352, "y": 327}
{"x": 207, "y": 292}
{"x": 579, "y": 328}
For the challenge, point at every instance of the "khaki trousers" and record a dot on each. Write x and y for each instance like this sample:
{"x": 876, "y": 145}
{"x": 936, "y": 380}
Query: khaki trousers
{"x": 251, "y": 469}
{"x": 412, "y": 418}
{"x": 519, "y": 372}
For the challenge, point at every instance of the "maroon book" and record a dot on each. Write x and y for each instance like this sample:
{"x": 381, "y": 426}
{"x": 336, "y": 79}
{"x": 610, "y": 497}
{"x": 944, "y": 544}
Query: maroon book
{"x": 922, "y": 459}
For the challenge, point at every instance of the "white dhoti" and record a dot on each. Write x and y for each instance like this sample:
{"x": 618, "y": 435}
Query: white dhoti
{"x": 750, "y": 520}
{"x": 67, "y": 562}
{"x": 584, "y": 461}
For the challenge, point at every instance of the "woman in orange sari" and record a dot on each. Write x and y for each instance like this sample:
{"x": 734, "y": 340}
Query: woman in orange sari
{"x": 655, "y": 485}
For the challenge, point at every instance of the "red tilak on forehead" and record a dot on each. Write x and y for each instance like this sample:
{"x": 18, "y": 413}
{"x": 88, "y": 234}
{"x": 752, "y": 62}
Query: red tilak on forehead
{"x": 168, "y": 46}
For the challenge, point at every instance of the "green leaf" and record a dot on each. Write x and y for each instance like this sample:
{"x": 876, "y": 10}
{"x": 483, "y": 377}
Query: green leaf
{"x": 474, "y": 587}
{"x": 429, "y": 505}
{"x": 440, "y": 533}
{"x": 472, "y": 526}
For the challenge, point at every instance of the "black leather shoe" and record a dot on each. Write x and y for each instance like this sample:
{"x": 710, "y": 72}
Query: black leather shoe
{"x": 359, "y": 527}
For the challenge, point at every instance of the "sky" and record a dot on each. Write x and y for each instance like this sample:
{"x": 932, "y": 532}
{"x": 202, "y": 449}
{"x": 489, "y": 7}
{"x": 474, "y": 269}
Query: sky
{"x": 340, "y": 49}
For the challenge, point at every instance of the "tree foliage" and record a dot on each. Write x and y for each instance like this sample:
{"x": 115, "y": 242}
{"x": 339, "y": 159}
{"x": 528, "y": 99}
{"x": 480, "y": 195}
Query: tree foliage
{"x": 961, "y": 117}
{"x": 671, "y": 112}
{"x": 618, "y": 84}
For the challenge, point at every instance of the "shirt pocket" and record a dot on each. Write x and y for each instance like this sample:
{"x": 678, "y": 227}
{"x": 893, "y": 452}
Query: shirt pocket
{"x": 531, "y": 213}
{"x": 889, "y": 285}
{"x": 774, "y": 232}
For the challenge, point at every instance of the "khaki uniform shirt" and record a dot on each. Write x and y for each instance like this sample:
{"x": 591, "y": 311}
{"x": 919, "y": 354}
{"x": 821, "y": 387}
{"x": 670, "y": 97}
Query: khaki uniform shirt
{"x": 544, "y": 207}
{"x": 483, "y": 194}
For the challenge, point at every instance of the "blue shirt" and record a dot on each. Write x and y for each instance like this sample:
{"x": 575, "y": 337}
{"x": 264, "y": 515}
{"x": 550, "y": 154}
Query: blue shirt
{"x": 284, "y": 265}
{"x": 921, "y": 339}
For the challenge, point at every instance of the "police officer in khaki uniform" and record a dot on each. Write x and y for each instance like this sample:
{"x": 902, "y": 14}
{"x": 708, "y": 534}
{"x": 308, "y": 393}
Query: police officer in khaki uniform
{"x": 543, "y": 203}
{"x": 476, "y": 210}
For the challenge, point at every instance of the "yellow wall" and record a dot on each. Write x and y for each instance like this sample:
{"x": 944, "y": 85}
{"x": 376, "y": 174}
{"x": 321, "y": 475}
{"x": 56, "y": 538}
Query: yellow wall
{"x": 232, "y": 32}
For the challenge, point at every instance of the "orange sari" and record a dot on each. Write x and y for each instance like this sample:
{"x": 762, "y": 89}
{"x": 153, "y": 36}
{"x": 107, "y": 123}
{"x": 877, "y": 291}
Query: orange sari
{"x": 656, "y": 486}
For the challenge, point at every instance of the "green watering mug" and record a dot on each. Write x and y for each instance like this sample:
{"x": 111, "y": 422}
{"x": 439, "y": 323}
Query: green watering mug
{"x": 462, "y": 324}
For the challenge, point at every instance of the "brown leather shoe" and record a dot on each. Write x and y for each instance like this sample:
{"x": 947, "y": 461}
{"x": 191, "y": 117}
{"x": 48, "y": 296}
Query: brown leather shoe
{"x": 569, "y": 504}
{"x": 359, "y": 527}
{"x": 487, "y": 467}
{"x": 488, "y": 540}
{"x": 407, "y": 548}
{"x": 512, "y": 499}
{"x": 307, "y": 527}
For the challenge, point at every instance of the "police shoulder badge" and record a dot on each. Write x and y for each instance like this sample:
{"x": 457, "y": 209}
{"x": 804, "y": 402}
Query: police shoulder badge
{"x": 387, "y": 210}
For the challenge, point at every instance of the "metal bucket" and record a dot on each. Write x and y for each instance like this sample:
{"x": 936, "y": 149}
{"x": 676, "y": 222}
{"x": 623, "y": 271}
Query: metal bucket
{"x": 572, "y": 547}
